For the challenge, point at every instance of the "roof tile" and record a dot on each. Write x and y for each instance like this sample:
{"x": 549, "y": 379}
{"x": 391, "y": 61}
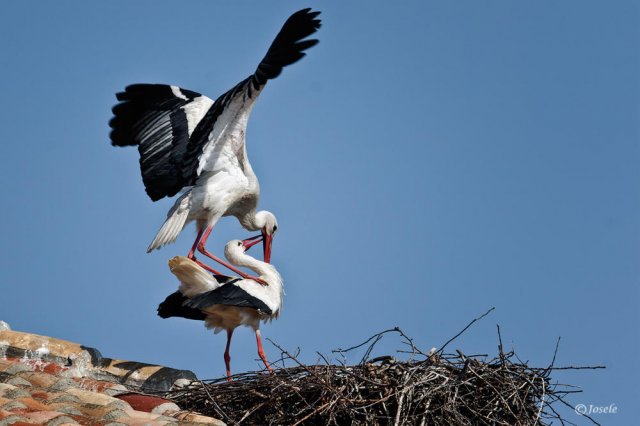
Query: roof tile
{"x": 101, "y": 386}
{"x": 41, "y": 417}
{"x": 17, "y": 381}
{"x": 88, "y": 397}
{"x": 62, "y": 384}
{"x": 16, "y": 368}
{"x": 105, "y": 413}
{"x": 9, "y": 418}
{"x": 11, "y": 405}
{"x": 63, "y": 398}
{"x": 188, "y": 417}
{"x": 40, "y": 380}
{"x": 53, "y": 382}
{"x": 12, "y": 392}
{"x": 138, "y": 374}
{"x": 149, "y": 403}
{"x": 33, "y": 404}
{"x": 66, "y": 408}
{"x": 61, "y": 421}
{"x": 26, "y": 344}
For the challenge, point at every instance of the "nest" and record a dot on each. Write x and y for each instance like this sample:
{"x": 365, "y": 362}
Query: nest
{"x": 431, "y": 388}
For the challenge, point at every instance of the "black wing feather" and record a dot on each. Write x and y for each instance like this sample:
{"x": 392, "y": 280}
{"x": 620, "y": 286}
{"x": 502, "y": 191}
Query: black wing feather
{"x": 286, "y": 49}
{"x": 188, "y": 170}
{"x": 173, "y": 306}
{"x": 152, "y": 116}
{"x": 230, "y": 295}
{"x": 288, "y": 46}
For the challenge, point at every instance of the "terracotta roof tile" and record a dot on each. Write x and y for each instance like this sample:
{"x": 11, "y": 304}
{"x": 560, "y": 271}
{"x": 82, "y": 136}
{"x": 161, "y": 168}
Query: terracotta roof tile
{"x": 104, "y": 413}
{"x": 17, "y": 381}
{"x": 95, "y": 398}
{"x": 62, "y": 420}
{"x": 66, "y": 408}
{"x": 12, "y": 392}
{"x": 11, "y": 405}
{"x": 8, "y": 417}
{"x": 15, "y": 368}
{"x": 63, "y": 398}
{"x": 32, "y": 404}
{"x": 149, "y": 404}
{"x": 40, "y": 380}
{"x": 43, "y": 417}
{"x": 187, "y": 417}
{"x": 53, "y": 382}
{"x": 62, "y": 385}
{"x": 102, "y": 386}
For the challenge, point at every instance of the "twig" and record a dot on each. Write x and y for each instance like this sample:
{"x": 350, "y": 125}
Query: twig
{"x": 441, "y": 351}
{"x": 450, "y": 389}
{"x": 375, "y": 336}
{"x": 316, "y": 411}
{"x": 542, "y": 402}
{"x": 500, "y": 350}
{"x": 396, "y": 421}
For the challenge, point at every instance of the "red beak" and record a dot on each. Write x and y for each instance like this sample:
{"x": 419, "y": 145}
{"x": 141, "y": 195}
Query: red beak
{"x": 251, "y": 241}
{"x": 266, "y": 246}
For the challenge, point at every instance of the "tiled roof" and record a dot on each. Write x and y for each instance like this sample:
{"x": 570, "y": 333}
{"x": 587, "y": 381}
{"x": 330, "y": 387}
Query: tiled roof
{"x": 53, "y": 382}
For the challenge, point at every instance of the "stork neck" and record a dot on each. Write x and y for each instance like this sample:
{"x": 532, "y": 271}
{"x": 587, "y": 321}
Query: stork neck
{"x": 248, "y": 221}
{"x": 257, "y": 266}
{"x": 264, "y": 270}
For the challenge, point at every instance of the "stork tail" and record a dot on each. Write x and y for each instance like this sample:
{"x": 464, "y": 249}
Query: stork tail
{"x": 176, "y": 220}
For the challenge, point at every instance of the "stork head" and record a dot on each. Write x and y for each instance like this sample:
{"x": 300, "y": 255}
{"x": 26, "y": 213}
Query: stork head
{"x": 268, "y": 224}
{"x": 248, "y": 243}
{"x": 236, "y": 247}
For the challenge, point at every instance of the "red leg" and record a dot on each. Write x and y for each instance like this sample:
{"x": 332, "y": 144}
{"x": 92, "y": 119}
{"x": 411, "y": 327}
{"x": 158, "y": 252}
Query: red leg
{"x": 263, "y": 357}
{"x": 195, "y": 244}
{"x": 203, "y": 250}
{"x": 207, "y": 267}
{"x": 192, "y": 256}
{"x": 227, "y": 358}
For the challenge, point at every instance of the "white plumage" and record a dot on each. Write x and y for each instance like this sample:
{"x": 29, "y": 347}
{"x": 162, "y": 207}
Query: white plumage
{"x": 228, "y": 305}
{"x": 188, "y": 142}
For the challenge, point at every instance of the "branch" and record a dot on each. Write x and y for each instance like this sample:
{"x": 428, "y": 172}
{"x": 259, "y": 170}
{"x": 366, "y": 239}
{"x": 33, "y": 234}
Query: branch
{"x": 440, "y": 352}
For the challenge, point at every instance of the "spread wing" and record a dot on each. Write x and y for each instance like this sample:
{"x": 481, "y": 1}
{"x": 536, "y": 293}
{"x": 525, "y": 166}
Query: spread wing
{"x": 159, "y": 119}
{"x": 180, "y": 133}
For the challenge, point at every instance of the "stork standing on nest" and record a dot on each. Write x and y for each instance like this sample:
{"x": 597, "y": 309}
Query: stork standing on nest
{"x": 189, "y": 142}
{"x": 225, "y": 303}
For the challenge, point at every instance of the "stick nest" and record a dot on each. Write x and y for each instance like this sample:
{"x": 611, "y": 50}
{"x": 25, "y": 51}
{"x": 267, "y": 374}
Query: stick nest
{"x": 427, "y": 389}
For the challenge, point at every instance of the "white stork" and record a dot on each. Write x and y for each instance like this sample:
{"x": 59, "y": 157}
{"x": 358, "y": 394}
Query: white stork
{"x": 225, "y": 303}
{"x": 189, "y": 142}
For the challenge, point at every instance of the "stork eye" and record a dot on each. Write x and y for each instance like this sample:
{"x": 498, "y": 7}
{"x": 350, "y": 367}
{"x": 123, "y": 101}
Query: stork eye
{"x": 239, "y": 243}
{"x": 275, "y": 228}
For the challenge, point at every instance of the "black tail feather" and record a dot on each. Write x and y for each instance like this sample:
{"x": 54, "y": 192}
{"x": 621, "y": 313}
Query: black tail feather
{"x": 173, "y": 306}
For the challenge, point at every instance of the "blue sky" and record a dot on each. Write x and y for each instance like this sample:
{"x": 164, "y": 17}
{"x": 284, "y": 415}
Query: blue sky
{"x": 426, "y": 161}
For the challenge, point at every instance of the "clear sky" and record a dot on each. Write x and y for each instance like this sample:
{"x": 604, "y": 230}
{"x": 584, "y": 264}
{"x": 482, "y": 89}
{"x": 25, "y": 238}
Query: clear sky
{"x": 426, "y": 161}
